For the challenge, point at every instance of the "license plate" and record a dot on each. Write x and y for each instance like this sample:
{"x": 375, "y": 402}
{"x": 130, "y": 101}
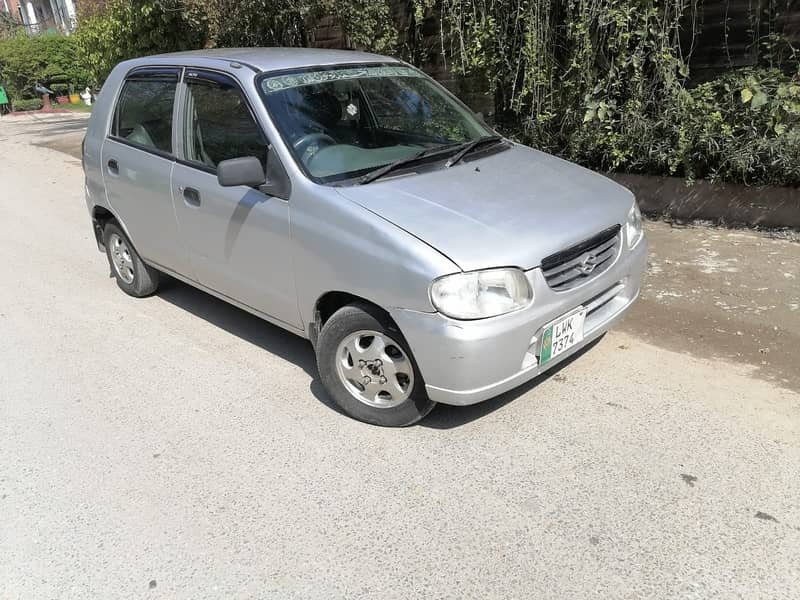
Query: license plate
{"x": 562, "y": 335}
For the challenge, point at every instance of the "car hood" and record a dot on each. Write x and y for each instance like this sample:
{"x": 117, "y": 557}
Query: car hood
{"x": 511, "y": 208}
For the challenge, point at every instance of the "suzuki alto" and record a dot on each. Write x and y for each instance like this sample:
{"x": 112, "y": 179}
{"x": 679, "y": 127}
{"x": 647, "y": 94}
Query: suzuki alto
{"x": 352, "y": 200}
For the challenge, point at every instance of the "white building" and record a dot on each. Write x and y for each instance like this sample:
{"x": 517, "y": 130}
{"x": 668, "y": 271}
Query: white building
{"x": 39, "y": 16}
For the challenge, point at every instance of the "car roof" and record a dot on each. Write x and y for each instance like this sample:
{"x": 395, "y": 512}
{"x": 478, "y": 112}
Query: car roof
{"x": 275, "y": 59}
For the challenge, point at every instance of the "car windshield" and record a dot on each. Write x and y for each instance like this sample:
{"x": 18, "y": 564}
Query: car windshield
{"x": 344, "y": 122}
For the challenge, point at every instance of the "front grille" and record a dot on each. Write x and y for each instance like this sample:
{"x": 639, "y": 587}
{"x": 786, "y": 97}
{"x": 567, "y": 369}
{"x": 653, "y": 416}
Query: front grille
{"x": 579, "y": 263}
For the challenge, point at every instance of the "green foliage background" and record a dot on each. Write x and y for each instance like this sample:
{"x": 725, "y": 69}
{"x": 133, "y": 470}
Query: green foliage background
{"x": 28, "y": 104}
{"x": 130, "y": 28}
{"x": 606, "y": 83}
{"x": 49, "y": 59}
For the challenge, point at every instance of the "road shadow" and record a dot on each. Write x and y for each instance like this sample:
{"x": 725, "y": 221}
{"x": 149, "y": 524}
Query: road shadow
{"x": 248, "y": 327}
{"x": 299, "y": 351}
{"x": 63, "y": 135}
{"x": 69, "y": 145}
{"x": 240, "y": 323}
{"x": 449, "y": 417}
{"x": 46, "y": 127}
{"x": 61, "y": 127}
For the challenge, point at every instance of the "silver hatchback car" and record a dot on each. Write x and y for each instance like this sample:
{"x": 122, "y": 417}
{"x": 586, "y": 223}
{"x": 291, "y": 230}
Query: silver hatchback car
{"x": 352, "y": 200}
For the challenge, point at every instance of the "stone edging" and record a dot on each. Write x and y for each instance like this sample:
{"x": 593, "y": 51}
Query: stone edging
{"x": 723, "y": 203}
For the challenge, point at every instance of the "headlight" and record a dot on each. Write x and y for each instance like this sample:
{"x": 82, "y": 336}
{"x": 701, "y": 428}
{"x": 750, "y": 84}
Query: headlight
{"x": 481, "y": 294}
{"x": 633, "y": 227}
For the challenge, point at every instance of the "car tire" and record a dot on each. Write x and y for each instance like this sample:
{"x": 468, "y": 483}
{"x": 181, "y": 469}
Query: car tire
{"x": 358, "y": 343}
{"x": 133, "y": 276}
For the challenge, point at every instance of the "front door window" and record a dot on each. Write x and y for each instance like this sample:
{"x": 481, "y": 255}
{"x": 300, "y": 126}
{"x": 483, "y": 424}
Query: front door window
{"x": 219, "y": 124}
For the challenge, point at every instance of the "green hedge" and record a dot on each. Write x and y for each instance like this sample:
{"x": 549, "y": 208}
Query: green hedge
{"x": 28, "y": 104}
{"x": 743, "y": 126}
{"x": 50, "y": 59}
{"x": 125, "y": 29}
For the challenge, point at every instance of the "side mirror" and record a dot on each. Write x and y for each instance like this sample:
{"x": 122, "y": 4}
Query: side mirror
{"x": 240, "y": 171}
{"x": 248, "y": 171}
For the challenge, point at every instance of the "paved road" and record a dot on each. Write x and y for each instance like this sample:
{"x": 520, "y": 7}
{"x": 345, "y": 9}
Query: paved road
{"x": 176, "y": 447}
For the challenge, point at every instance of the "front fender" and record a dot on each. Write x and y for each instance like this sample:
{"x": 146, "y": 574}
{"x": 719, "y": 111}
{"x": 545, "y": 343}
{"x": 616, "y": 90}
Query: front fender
{"x": 339, "y": 245}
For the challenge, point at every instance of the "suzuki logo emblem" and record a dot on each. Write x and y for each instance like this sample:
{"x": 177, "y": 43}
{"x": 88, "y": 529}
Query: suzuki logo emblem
{"x": 588, "y": 264}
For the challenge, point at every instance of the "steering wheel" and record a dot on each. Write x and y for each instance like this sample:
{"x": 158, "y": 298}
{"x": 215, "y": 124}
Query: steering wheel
{"x": 308, "y": 145}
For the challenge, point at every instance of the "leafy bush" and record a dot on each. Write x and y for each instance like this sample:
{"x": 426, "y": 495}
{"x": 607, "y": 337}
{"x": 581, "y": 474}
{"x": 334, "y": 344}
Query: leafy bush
{"x": 743, "y": 126}
{"x": 366, "y": 24}
{"x": 60, "y": 89}
{"x": 128, "y": 29}
{"x": 28, "y": 104}
{"x": 47, "y": 59}
{"x": 258, "y": 23}
{"x": 606, "y": 83}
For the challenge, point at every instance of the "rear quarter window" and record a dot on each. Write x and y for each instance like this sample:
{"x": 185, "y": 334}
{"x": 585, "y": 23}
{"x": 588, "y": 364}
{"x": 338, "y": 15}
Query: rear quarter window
{"x": 144, "y": 113}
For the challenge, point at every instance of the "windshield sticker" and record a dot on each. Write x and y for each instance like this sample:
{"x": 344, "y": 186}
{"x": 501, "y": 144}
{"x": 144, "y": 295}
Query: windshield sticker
{"x": 284, "y": 82}
{"x": 352, "y": 109}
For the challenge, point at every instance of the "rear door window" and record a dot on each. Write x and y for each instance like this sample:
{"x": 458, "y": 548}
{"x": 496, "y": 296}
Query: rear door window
{"x": 144, "y": 111}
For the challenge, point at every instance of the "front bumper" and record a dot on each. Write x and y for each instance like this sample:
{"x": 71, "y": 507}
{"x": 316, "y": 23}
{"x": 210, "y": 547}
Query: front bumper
{"x": 465, "y": 362}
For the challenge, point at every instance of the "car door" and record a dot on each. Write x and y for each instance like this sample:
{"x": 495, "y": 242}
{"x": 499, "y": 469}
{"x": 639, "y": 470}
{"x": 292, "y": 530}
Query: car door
{"x": 138, "y": 158}
{"x": 238, "y": 238}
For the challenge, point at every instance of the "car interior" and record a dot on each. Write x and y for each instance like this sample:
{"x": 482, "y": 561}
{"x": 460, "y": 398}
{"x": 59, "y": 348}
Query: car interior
{"x": 337, "y": 127}
{"x": 144, "y": 115}
{"x": 219, "y": 125}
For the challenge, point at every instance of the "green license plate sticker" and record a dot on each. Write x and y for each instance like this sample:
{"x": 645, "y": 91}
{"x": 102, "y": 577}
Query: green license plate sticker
{"x": 562, "y": 335}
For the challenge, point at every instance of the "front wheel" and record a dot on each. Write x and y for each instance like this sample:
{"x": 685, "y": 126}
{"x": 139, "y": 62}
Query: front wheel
{"x": 366, "y": 366}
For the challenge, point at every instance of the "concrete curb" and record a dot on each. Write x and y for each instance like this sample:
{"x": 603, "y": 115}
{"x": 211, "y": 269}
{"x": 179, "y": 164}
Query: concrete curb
{"x": 23, "y": 113}
{"x": 724, "y": 203}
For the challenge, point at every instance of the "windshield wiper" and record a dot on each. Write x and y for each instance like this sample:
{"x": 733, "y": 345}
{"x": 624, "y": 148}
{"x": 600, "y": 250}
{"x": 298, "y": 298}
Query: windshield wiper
{"x": 424, "y": 153}
{"x": 470, "y": 146}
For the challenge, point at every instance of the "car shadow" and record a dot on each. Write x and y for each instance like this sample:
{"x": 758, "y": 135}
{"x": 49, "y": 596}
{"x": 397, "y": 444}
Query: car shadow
{"x": 299, "y": 351}
{"x": 66, "y": 126}
{"x": 242, "y": 324}
{"x": 46, "y": 128}
{"x": 249, "y": 328}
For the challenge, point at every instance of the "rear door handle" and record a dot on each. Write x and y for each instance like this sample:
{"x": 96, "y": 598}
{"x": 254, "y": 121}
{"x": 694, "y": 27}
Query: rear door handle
{"x": 113, "y": 167}
{"x": 191, "y": 196}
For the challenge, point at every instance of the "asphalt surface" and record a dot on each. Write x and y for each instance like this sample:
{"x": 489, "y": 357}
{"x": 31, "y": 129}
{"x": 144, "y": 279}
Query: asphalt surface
{"x": 720, "y": 293}
{"x": 177, "y": 447}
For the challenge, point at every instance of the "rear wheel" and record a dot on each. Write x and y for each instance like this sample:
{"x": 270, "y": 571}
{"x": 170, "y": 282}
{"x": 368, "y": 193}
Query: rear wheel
{"x": 366, "y": 366}
{"x": 133, "y": 276}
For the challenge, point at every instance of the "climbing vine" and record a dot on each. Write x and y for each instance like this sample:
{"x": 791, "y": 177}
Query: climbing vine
{"x": 555, "y": 66}
{"x": 607, "y": 83}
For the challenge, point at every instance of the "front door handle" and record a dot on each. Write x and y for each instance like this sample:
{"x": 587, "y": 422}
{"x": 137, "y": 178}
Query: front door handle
{"x": 191, "y": 196}
{"x": 113, "y": 167}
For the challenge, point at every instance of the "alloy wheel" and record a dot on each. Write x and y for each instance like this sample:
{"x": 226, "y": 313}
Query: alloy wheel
{"x": 375, "y": 369}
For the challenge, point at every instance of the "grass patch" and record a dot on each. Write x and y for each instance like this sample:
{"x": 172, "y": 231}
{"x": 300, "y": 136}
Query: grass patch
{"x": 81, "y": 107}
